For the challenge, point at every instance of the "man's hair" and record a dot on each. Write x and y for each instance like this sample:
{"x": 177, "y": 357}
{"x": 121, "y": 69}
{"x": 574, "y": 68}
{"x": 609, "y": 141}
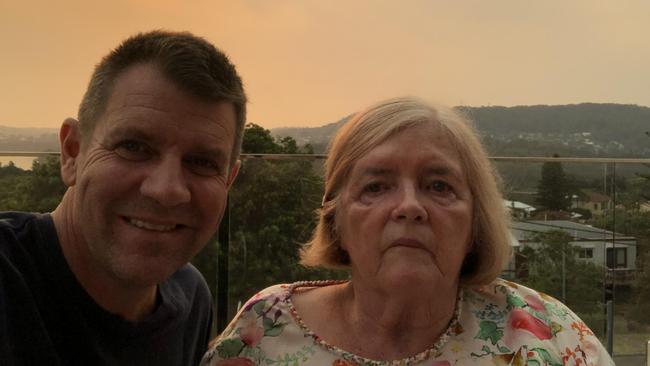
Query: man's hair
{"x": 190, "y": 62}
{"x": 490, "y": 246}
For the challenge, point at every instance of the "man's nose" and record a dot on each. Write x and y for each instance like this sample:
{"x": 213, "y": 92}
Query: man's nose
{"x": 165, "y": 183}
{"x": 409, "y": 206}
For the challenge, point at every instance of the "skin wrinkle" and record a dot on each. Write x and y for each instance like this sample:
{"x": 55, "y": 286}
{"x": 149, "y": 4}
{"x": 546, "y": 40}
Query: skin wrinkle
{"x": 120, "y": 132}
{"x": 399, "y": 301}
{"x": 118, "y": 263}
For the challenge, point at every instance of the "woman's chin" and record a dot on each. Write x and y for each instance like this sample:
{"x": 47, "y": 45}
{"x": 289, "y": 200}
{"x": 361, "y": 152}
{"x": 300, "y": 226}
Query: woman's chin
{"x": 410, "y": 277}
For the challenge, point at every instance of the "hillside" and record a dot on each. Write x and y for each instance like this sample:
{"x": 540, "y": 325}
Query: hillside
{"x": 28, "y": 139}
{"x": 588, "y": 129}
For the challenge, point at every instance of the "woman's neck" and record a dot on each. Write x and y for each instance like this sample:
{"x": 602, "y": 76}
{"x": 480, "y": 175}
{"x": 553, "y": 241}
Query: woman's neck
{"x": 374, "y": 323}
{"x": 401, "y": 323}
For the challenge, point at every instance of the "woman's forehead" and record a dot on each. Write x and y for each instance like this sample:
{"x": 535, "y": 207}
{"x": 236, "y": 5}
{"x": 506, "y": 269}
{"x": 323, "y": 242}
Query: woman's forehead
{"x": 429, "y": 145}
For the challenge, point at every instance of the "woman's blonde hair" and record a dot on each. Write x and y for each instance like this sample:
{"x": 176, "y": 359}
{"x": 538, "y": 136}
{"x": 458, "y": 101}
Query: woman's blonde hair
{"x": 368, "y": 129}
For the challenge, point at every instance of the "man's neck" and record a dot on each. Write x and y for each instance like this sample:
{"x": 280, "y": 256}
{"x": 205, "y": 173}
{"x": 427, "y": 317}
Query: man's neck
{"x": 129, "y": 301}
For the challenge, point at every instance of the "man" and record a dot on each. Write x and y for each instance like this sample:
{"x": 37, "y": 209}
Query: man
{"x": 105, "y": 279}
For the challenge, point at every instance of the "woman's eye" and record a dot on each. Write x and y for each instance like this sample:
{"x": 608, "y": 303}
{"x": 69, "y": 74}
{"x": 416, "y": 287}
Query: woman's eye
{"x": 133, "y": 150}
{"x": 202, "y": 166}
{"x": 375, "y": 187}
{"x": 439, "y": 187}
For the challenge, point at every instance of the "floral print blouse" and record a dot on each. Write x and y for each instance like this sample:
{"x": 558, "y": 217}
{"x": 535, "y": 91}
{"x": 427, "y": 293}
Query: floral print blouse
{"x": 500, "y": 324}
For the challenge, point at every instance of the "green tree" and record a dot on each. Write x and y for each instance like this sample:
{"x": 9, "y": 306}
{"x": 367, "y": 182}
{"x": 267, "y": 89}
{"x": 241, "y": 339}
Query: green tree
{"x": 646, "y": 179}
{"x": 553, "y": 189}
{"x": 272, "y": 212}
{"x": 640, "y": 311}
{"x": 38, "y": 190}
{"x": 257, "y": 139}
{"x": 644, "y": 184}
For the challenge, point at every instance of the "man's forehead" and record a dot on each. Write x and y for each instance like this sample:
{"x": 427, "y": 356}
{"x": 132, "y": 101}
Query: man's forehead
{"x": 145, "y": 86}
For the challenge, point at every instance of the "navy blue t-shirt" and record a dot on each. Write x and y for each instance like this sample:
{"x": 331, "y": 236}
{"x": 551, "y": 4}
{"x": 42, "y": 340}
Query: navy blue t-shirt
{"x": 47, "y": 318}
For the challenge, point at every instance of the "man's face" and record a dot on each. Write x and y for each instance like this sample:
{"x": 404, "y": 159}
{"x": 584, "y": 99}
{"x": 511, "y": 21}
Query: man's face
{"x": 151, "y": 181}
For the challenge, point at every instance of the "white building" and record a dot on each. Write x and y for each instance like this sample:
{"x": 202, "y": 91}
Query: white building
{"x": 604, "y": 248}
{"x": 519, "y": 209}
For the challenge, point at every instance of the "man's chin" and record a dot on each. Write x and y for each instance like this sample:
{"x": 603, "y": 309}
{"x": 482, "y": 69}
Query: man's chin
{"x": 144, "y": 274}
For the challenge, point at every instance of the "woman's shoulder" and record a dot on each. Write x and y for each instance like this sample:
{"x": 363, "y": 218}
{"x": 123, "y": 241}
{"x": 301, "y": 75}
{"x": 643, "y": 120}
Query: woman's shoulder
{"x": 266, "y": 327}
{"x": 258, "y": 317}
{"x": 507, "y": 319}
{"x": 504, "y": 293}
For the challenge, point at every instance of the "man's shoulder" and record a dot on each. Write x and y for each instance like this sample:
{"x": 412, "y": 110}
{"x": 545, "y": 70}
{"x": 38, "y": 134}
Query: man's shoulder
{"x": 188, "y": 283}
{"x": 22, "y": 227}
{"x": 16, "y": 220}
{"x": 188, "y": 275}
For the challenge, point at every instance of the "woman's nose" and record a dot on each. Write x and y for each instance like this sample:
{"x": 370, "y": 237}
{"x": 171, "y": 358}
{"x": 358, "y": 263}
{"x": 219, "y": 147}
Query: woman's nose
{"x": 409, "y": 207}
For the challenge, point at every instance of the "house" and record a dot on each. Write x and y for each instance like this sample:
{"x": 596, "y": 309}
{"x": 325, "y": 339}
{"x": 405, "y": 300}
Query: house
{"x": 518, "y": 209}
{"x": 644, "y": 206}
{"x": 595, "y": 202}
{"x": 614, "y": 251}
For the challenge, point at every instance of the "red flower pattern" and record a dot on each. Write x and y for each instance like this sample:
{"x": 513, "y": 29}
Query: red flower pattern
{"x": 535, "y": 303}
{"x": 251, "y": 334}
{"x": 237, "y": 361}
{"x": 521, "y": 319}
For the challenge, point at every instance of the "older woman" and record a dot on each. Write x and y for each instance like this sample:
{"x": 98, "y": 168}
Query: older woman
{"x": 412, "y": 208}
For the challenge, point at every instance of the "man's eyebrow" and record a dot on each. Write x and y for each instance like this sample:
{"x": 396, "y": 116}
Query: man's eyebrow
{"x": 213, "y": 153}
{"x": 129, "y": 131}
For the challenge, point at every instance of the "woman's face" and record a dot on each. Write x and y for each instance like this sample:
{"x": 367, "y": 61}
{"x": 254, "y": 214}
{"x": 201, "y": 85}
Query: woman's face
{"x": 406, "y": 212}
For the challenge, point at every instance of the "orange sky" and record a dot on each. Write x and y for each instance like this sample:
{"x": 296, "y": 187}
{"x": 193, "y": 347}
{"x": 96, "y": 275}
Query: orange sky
{"x": 311, "y": 62}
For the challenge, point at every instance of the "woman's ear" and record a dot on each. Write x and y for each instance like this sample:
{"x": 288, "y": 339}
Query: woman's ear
{"x": 70, "y": 141}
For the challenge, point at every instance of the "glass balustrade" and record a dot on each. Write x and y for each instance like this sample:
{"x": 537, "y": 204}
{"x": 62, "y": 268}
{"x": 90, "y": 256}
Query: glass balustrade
{"x": 580, "y": 233}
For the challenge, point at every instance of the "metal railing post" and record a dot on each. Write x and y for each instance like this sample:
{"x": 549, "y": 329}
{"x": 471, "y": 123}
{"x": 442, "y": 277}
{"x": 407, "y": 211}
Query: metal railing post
{"x": 610, "y": 327}
{"x": 222, "y": 269}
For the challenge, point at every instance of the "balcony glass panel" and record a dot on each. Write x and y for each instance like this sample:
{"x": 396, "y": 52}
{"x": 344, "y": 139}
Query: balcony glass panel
{"x": 590, "y": 245}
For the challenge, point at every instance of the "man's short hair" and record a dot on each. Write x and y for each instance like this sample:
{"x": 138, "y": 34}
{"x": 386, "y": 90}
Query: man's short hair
{"x": 190, "y": 62}
{"x": 490, "y": 248}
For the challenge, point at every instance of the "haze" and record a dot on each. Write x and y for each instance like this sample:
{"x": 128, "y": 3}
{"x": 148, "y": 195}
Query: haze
{"x": 310, "y": 62}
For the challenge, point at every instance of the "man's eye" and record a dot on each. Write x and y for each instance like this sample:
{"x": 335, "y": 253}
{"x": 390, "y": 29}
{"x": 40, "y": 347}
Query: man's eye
{"x": 202, "y": 166}
{"x": 133, "y": 150}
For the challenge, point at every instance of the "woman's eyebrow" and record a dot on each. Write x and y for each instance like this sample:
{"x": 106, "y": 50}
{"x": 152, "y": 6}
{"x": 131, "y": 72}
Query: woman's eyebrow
{"x": 439, "y": 170}
{"x": 375, "y": 171}
{"x": 444, "y": 170}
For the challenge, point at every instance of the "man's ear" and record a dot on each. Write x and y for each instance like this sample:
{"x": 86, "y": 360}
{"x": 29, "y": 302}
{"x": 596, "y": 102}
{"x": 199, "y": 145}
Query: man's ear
{"x": 70, "y": 141}
{"x": 233, "y": 173}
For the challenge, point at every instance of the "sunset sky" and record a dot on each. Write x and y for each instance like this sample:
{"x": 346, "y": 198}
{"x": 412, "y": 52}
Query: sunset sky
{"x": 311, "y": 62}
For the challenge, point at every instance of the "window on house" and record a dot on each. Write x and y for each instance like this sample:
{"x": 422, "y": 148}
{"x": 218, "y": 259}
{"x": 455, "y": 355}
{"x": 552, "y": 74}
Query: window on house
{"x": 617, "y": 259}
{"x": 586, "y": 253}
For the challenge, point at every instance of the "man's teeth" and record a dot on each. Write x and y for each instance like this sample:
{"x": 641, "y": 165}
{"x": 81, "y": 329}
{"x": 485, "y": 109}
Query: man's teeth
{"x": 150, "y": 226}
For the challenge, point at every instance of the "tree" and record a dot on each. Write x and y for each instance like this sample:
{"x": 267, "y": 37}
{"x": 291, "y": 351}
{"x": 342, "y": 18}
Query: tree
{"x": 640, "y": 312}
{"x": 644, "y": 184}
{"x": 38, "y": 190}
{"x": 646, "y": 179}
{"x": 553, "y": 189}
{"x": 257, "y": 139}
{"x": 272, "y": 212}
